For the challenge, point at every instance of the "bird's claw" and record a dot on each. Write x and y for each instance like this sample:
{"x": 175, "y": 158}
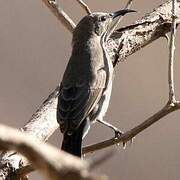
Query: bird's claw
{"x": 132, "y": 140}
{"x": 126, "y": 143}
{"x": 118, "y": 133}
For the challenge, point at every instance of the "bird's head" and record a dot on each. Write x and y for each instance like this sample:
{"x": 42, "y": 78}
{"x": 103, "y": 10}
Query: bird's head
{"x": 98, "y": 23}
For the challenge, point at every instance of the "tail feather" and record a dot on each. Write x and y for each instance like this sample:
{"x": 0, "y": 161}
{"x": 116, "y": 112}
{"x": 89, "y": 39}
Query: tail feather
{"x": 73, "y": 143}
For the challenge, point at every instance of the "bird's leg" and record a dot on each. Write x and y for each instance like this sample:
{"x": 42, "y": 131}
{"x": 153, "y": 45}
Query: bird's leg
{"x": 118, "y": 132}
{"x": 115, "y": 129}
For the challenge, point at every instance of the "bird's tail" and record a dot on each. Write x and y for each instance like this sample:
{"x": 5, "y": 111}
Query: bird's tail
{"x": 73, "y": 143}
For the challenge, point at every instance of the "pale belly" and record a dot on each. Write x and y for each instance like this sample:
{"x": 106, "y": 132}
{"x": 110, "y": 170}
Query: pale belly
{"x": 104, "y": 102}
{"x": 100, "y": 109}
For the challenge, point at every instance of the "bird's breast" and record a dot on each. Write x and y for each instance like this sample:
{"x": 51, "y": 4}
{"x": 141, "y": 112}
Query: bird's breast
{"x": 103, "y": 103}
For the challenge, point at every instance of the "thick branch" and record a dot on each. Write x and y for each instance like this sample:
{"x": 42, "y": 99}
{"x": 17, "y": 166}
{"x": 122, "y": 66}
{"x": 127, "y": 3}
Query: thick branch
{"x": 122, "y": 43}
{"x": 41, "y": 126}
{"x": 126, "y": 41}
{"x": 54, "y": 163}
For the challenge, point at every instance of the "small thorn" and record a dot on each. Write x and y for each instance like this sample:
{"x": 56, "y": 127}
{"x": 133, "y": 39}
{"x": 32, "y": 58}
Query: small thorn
{"x": 124, "y": 145}
{"x": 132, "y": 141}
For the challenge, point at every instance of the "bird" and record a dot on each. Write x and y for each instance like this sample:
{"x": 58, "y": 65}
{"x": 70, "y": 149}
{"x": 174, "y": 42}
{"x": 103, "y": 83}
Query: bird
{"x": 85, "y": 89}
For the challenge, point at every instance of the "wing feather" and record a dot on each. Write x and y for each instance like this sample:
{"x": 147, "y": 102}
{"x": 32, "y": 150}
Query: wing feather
{"x": 76, "y": 102}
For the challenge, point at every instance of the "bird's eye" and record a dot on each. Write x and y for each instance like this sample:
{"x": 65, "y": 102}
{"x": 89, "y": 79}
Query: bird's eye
{"x": 103, "y": 18}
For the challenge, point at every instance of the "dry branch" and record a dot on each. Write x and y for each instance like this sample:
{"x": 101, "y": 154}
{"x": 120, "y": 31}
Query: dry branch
{"x": 119, "y": 19}
{"x": 172, "y": 98}
{"x": 60, "y": 14}
{"x": 134, "y": 131}
{"x": 127, "y": 40}
{"x": 55, "y": 164}
{"x": 122, "y": 43}
{"x": 171, "y": 105}
{"x": 84, "y": 6}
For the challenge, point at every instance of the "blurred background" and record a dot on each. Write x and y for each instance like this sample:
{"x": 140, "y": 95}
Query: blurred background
{"x": 34, "y": 50}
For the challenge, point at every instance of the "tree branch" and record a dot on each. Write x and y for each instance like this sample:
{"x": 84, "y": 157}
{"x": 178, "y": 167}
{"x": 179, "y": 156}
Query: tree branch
{"x": 84, "y": 6}
{"x": 119, "y": 19}
{"x": 54, "y": 163}
{"x": 60, "y": 14}
{"x": 134, "y": 131}
{"x": 41, "y": 126}
{"x": 172, "y": 98}
{"x": 127, "y": 40}
{"x": 171, "y": 106}
{"x": 121, "y": 44}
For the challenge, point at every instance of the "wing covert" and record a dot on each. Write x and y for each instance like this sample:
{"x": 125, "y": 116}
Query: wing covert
{"x": 76, "y": 102}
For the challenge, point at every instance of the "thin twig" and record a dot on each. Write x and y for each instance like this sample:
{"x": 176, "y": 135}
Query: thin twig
{"x": 171, "y": 54}
{"x": 128, "y": 5}
{"x": 118, "y": 20}
{"x": 133, "y": 132}
{"x": 60, "y": 14}
{"x": 84, "y": 6}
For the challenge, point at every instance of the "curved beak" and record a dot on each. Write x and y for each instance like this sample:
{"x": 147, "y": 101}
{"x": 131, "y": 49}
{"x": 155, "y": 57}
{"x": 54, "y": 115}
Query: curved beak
{"x": 121, "y": 12}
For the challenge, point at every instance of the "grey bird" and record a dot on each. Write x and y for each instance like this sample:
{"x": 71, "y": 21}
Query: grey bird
{"x": 86, "y": 86}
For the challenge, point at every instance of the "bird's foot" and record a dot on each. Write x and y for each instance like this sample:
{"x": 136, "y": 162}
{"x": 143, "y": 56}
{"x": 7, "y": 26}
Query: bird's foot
{"x": 117, "y": 132}
{"x": 129, "y": 143}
